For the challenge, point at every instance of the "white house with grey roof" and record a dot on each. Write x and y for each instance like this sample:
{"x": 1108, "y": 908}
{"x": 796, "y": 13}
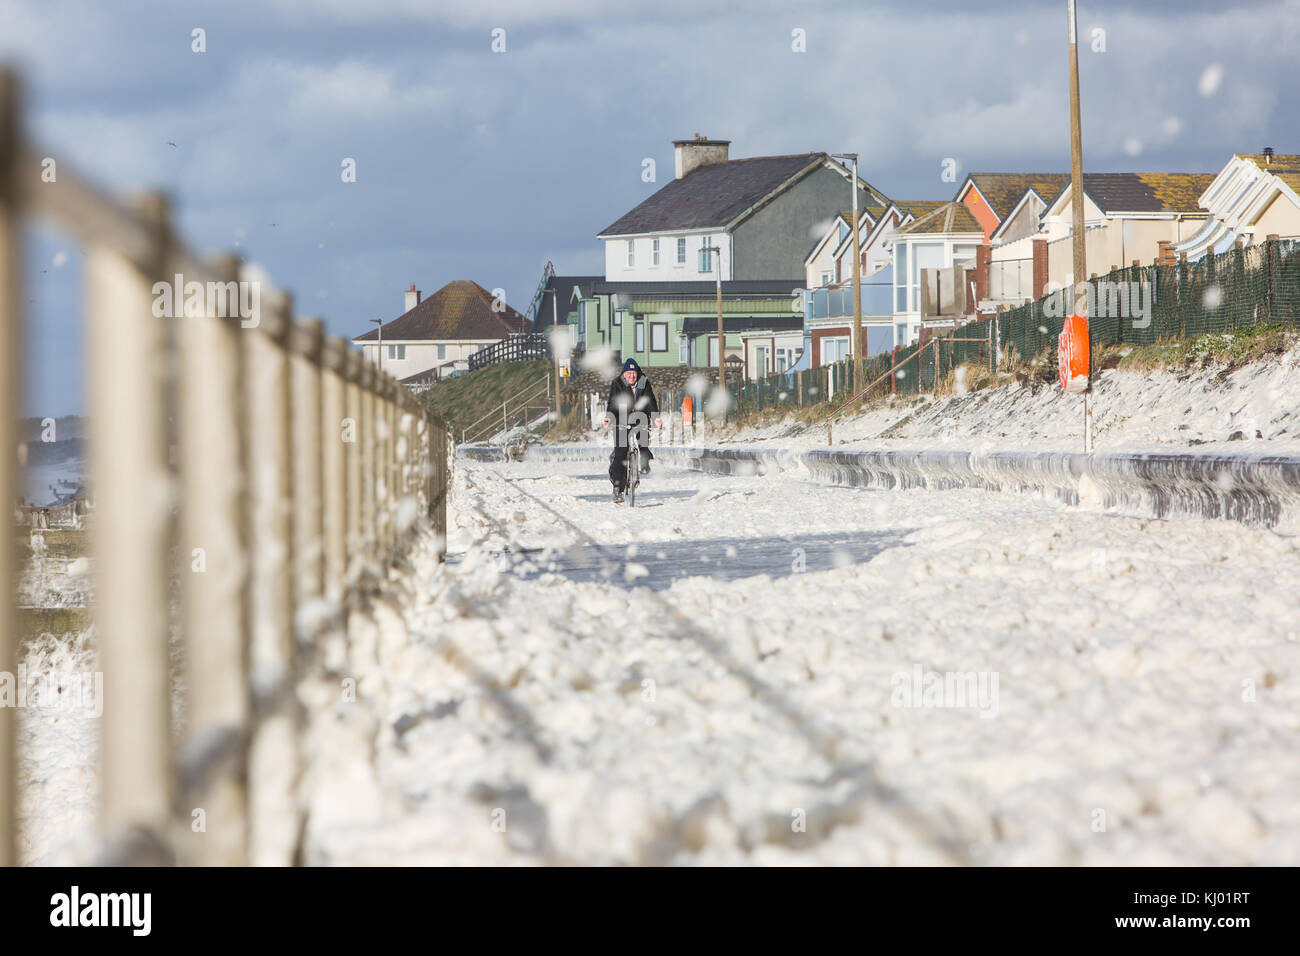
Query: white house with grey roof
{"x": 764, "y": 213}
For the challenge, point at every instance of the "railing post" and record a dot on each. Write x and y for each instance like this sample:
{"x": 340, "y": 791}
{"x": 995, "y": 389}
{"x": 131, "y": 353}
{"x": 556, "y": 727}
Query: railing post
{"x": 334, "y": 467}
{"x": 11, "y": 351}
{"x": 284, "y": 495}
{"x": 394, "y": 464}
{"x": 215, "y": 590}
{"x": 366, "y": 444}
{"x": 355, "y": 461}
{"x": 305, "y": 341}
{"x": 126, "y": 360}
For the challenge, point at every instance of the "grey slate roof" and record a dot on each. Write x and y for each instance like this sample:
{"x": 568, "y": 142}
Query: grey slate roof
{"x": 1143, "y": 192}
{"x": 711, "y": 195}
{"x": 563, "y": 286}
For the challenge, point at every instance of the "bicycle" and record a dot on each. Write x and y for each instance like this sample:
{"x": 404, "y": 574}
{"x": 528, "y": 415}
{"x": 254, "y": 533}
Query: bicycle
{"x": 632, "y": 462}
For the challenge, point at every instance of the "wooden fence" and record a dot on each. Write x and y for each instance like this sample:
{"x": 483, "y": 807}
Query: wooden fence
{"x": 253, "y": 459}
{"x": 516, "y": 348}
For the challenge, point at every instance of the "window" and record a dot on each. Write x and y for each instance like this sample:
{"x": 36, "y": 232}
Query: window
{"x": 681, "y": 252}
{"x": 397, "y": 352}
{"x": 834, "y": 348}
{"x": 658, "y": 336}
{"x": 654, "y": 252}
{"x": 760, "y": 361}
{"x": 640, "y": 337}
{"x": 631, "y": 253}
{"x": 442, "y": 351}
{"x": 826, "y": 278}
{"x": 706, "y": 256}
{"x": 713, "y": 351}
{"x": 618, "y": 317}
{"x": 582, "y": 318}
{"x": 683, "y": 351}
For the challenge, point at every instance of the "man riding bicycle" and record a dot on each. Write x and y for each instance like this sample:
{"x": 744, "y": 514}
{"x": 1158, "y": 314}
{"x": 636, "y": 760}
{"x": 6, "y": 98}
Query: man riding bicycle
{"x": 631, "y": 401}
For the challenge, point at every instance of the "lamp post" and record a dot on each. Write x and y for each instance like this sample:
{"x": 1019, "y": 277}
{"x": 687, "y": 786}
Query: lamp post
{"x": 857, "y": 267}
{"x": 716, "y": 252}
{"x": 380, "y": 324}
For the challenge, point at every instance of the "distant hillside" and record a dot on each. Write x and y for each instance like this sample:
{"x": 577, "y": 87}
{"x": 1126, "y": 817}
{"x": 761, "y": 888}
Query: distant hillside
{"x": 462, "y": 401}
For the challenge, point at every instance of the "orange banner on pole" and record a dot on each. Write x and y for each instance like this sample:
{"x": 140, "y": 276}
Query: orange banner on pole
{"x": 1072, "y": 354}
{"x": 687, "y": 407}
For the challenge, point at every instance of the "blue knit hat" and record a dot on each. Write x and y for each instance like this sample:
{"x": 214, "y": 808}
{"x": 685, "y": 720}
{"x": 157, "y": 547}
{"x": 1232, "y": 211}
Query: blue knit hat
{"x": 631, "y": 364}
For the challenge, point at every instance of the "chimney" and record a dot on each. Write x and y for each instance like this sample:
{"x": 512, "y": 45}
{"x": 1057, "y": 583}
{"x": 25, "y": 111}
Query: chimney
{"x": 690, "y": 154}
{"x": 1268, "y": 155}
{"x": 412, "y": 297}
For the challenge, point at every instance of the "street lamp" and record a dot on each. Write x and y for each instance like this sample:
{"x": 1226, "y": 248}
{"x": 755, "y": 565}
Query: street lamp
{"x": 380, "y": 323}
{"x": 857, "y": 267}
{"x": 716, "y": 252}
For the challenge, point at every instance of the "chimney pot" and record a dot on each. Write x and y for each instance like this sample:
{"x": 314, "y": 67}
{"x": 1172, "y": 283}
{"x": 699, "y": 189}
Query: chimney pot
{"x": 412, "y": 297}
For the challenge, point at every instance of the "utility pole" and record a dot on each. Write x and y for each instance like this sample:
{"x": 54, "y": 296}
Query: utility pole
{"x": 380, "y": 324}
{"x": 857, "y": 278}
{"x": 1076, "y": 202}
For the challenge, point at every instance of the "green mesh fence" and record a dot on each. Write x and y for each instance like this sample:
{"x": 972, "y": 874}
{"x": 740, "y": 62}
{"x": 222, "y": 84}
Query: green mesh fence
{"x": 1136, "y": 305}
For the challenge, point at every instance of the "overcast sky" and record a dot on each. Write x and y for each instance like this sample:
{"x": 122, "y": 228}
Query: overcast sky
{"x": 480, "y": 165}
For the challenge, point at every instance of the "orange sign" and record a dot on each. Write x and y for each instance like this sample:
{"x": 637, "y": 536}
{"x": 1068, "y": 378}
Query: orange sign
{"x": 1072, "y": 354}
{"x": 687, "y": 407}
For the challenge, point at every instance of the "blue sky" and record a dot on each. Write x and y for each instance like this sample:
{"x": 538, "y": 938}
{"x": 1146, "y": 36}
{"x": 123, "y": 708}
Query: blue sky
{"x": 482, "y": 165}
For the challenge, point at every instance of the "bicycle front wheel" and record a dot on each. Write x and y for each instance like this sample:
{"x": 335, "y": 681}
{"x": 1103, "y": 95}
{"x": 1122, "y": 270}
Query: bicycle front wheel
{"x": 633, "y": 475}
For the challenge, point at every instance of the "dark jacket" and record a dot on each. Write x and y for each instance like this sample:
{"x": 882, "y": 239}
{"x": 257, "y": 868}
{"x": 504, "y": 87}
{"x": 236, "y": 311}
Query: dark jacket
{"x": 625, "y": 401}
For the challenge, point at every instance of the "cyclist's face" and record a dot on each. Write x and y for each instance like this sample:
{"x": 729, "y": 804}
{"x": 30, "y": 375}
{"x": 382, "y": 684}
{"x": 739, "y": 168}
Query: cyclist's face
{"x": 630, "y": 376}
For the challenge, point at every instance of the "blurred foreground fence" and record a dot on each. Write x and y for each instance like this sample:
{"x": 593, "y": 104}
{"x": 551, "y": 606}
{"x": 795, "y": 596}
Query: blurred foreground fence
{"x": 1138, "y": 305}
{"x": 252, "y": 476}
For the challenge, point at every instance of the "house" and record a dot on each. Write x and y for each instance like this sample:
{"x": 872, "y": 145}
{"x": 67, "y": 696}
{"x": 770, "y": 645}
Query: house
{"x": 760, "y": 212}
{"x": 675, "y": 323}
{"x": 557, "y": 300}
{"x": 1009, "y": 206}
{"x": 932, "y": 254}
{"x": 1253, "y": 196}
{"x": 829, "y": 306}
{"x": 1127, "y": 217}
{"x": 442, "y": 331}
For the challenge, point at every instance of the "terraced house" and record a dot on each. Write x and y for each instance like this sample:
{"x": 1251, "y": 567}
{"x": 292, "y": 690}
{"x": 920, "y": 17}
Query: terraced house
{"x": 1127, "y": 217}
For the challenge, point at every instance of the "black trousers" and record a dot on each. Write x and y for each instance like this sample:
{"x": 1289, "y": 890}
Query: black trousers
{"x": 618, "y": 460}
